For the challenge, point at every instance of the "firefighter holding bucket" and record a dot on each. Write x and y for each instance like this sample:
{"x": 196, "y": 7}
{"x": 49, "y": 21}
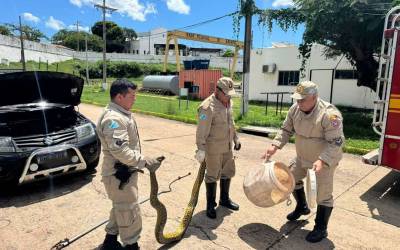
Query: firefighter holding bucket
{"x": 317, "y": 126}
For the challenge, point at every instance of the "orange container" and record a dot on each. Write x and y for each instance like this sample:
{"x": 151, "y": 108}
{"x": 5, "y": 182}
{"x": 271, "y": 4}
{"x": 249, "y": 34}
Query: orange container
{"x": 201, "y": 83}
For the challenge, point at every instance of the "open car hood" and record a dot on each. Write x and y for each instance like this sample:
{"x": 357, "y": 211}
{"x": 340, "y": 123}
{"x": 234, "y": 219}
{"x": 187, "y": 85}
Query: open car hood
{"x": 40, "y": 86}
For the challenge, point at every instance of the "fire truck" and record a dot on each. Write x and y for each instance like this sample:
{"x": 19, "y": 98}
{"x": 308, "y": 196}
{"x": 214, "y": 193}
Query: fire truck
{"x": 386, "y": 119}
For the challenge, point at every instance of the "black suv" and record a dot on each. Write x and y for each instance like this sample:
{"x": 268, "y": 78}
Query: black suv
{"x": 41, "y": 132}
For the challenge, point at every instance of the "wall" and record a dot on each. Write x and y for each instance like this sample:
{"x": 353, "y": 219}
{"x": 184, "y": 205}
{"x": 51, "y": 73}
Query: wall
{"x": 344, "y": 92}
{"x": 10, "y": 50}
{"x": 284, "y": 58}
{"x": 218, "y": 62}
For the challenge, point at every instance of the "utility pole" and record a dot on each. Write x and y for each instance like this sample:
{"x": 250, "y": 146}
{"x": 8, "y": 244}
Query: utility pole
{"x": 149, "y": 42}
{"x": 104, "y": 9}
{"x": 22, "y": 45}
{"x": 247, "y": 9}
{"x": 77, "y": 35}
{"x": 87, "y": 64}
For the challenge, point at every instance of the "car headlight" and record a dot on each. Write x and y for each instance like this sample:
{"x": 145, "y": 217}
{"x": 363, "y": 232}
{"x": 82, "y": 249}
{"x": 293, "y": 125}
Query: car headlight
{"x": 6, "y": 145}
{"x": 85, "y": 131}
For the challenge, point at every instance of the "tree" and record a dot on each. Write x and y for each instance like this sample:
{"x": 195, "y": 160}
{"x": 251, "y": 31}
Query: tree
{"x": 4, "y": 30}
{"x": 70, "y": 38}
{"x": 130, "y": 34}
{"x": 228, "y": 53}
{"x": 115, "y": 35}
{"x": 349, "y": 27}
{"x": 29, "y": 33}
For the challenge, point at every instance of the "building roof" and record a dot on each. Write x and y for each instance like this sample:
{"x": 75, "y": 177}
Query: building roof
{"x": 205, "y": 49}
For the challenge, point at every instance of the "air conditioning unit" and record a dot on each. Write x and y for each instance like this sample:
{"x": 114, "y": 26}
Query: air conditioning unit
{"x": 269, "y": 68}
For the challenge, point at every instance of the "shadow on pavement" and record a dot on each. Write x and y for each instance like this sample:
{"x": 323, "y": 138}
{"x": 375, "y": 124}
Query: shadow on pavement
{"x": 258, "y": 235}
{"x": 31, "y": 193}
{"x": 294, "y": 237}
{"x": 205, "y": 225}
{"x": 383, "y": 199}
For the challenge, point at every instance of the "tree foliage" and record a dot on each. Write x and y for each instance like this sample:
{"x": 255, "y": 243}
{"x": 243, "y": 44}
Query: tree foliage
{"x": 129, "y": 33}
{"x": 115, "y": 35}
{"x": 228, "y": 53}
{"x": 28, "y": 32}
{"x": 70, "y": 39}
{"x": 350, "y": 27}
{"x": 4, "y": 30}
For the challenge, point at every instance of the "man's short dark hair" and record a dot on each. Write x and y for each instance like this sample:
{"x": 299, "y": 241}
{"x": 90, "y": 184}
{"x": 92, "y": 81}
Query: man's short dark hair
{"x": 121, "y": 86}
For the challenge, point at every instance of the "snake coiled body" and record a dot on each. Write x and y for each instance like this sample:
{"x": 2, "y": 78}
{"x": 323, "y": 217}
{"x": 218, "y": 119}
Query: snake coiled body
{"x": 165, "y": 238}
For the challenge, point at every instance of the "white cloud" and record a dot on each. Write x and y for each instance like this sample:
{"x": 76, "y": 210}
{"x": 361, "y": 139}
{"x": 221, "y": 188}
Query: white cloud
{"x": 178, "y": 6}
{"x": 29, "y": 17}
{"x": 150, "y": 9}
{"x": 81, "y": 28}
{"x": 132, "y": 8}
{"x": 76, "y": 2}
{"x": 282, "y": 3}
{"x": 54, "y": 23}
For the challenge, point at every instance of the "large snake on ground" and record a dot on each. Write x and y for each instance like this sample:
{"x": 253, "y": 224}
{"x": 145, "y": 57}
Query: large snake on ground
{"x": 165, "y": 238}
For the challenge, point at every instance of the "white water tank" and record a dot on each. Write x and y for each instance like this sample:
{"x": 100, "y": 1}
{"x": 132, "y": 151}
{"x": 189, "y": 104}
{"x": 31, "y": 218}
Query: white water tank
{"x": 170, "y": 83}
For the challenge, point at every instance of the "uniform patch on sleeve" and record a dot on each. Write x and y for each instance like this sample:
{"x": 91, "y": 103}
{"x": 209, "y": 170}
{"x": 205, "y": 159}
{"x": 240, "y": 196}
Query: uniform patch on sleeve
{"x": 113, "y": 124}
{"x": 338, "y": 141}
{"x": 335, "y": 121}
{"x": 119, "y": 142}
{"x": 203, "y": 117}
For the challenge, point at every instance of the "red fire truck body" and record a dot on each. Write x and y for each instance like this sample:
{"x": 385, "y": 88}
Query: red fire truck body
{"x": 387, "y": 105}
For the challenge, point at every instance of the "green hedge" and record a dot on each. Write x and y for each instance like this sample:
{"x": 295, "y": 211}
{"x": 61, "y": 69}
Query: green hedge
{"x": 123, "y": 69}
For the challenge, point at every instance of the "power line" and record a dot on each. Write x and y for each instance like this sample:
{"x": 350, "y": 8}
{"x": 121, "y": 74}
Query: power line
{"x": 194, "y": 25}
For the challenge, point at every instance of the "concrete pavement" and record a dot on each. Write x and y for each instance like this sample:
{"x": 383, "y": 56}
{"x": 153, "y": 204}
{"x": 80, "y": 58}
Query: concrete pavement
{"x": 366, "y": 214}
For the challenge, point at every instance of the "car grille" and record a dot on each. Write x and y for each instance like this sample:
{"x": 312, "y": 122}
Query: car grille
{"x": 40, "y": 141}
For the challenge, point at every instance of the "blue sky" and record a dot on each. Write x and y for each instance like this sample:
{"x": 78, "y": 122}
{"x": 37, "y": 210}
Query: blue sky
{"x": 144, "y": 15}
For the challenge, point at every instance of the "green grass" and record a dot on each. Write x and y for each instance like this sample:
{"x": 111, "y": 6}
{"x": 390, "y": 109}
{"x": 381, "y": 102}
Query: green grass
{"x": 360, "y": 138}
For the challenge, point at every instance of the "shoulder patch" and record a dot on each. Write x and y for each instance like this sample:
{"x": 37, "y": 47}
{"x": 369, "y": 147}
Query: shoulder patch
{"x": 335, "y": 121}
{"x": 113, "y": 124}
{"x": 203, "y": 117}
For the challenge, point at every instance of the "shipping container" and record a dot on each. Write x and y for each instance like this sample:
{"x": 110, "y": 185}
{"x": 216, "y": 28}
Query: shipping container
{"x": 200, "y": 83}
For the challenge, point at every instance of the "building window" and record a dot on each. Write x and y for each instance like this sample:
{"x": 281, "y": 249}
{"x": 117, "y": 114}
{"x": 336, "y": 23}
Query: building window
{"x": 346, "y": 74}
{"x": 288, "y": 78}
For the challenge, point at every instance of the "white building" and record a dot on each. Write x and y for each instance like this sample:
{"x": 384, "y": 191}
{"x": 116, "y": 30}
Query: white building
{"x": 153, "y": 43}
{"x": 206, "y": 52}
{"x": 277, "y": 69}
{"x": 146, "y": 41}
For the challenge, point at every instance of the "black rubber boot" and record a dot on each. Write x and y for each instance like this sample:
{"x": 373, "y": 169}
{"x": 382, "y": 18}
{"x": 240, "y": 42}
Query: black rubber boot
{"x": 301, "y": 206}
{"x": 133, "y": 246}
{"x": 321, "y": 224}
{"x": 211, "y": 193}
{"x": 224, "y": 199}
{"x": 111, "y": 243}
